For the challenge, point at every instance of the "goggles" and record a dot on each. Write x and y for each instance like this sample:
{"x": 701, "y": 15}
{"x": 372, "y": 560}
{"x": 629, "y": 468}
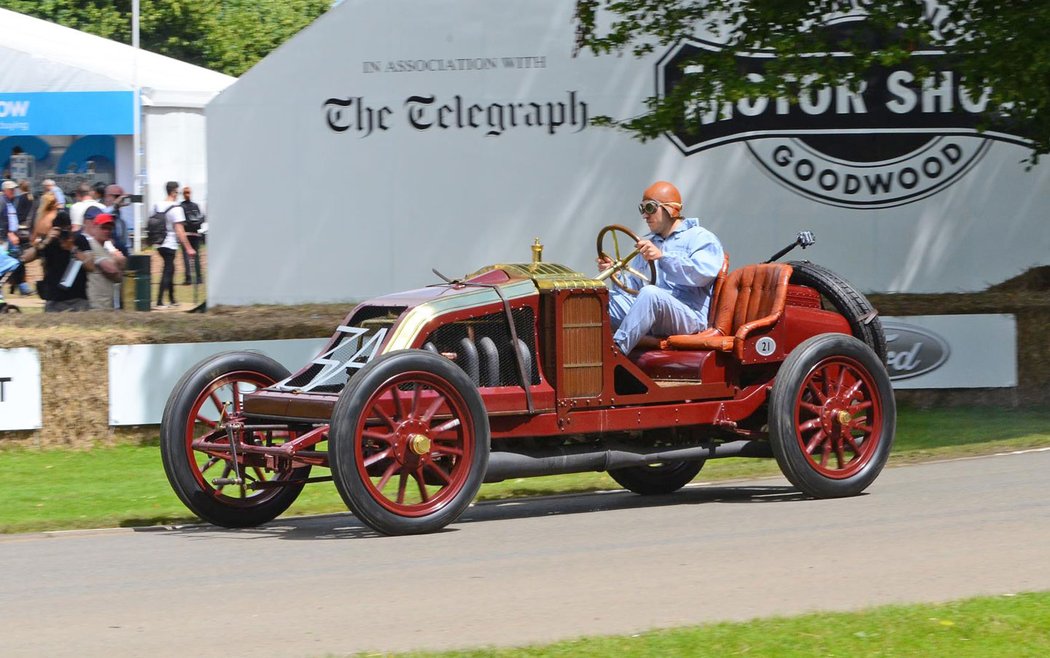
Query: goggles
{"x": 649, "y": 206}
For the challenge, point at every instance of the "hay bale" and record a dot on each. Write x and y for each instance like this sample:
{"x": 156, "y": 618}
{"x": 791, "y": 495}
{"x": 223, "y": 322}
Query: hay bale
{"x": 74, "y": 359}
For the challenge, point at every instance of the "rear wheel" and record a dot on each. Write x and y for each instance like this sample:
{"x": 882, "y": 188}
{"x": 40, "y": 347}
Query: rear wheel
{"x": 206, "y": 398}
{"x": 409, "y": 442}
{"x": 656, "y": 479}
{"x": 832, "y": 416}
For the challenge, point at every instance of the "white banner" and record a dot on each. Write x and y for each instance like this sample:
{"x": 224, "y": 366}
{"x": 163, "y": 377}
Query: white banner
{"x": 951, "y": 351}
{"x": 141, "y": 376}
{"x": 20, "y": 407}
{"x": 449, "y": 134}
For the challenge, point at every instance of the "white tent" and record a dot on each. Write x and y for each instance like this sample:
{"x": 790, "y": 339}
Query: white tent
{"x": 38, "y": 57}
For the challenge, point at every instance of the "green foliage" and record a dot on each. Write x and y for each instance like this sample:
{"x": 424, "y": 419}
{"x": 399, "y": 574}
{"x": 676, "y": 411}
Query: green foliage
{"x": 996, "y": 45}
{"x": 225, "y": 35}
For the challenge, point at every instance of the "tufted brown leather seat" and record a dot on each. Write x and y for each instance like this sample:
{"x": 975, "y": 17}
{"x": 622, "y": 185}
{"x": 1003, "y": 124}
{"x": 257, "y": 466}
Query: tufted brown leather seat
{"x": 752, "y": 297}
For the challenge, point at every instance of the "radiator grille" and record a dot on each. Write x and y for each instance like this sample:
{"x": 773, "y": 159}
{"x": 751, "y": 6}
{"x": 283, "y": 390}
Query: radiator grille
{"x": 581, "y": 346}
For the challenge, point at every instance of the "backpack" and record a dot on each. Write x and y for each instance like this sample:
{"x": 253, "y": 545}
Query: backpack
{"x": 194, "y": 221}
{"x": 157, "y": 226}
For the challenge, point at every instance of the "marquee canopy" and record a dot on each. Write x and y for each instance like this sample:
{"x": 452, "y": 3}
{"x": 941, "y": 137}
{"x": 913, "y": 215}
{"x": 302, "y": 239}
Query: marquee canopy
{"x": 77, "y": 90}
{"x": 39, "y": 56}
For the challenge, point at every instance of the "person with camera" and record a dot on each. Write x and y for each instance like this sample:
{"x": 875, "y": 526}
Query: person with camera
{"x": 67, "y": 260}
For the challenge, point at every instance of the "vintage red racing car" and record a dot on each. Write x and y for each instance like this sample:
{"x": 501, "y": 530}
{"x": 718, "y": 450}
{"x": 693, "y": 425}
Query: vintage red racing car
{"x": 421, "y": 396}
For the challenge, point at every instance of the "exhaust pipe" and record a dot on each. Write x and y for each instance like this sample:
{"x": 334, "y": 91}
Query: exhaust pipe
{"x": 581, "y": 459}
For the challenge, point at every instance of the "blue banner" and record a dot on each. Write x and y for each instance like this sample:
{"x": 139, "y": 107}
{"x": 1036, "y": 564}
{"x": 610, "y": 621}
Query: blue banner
{"x": 68, "y": 113}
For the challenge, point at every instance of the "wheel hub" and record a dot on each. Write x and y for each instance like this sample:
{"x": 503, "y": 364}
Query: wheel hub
{"x": 411, "y": 442}
{"x": 834, "y": 416}
{"x": 419, "y": 444}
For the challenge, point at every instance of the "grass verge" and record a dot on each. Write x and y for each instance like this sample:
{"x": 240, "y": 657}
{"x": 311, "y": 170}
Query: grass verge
{"x": 1011, "y": 625}
{"x": 126, "y": 486}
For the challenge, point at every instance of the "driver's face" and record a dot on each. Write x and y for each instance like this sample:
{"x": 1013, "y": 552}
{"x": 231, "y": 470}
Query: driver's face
{"x": 660, "y": 221}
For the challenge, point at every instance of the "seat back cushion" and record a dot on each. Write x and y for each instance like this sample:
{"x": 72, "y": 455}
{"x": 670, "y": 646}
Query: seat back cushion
{"x": 754, "y": 292}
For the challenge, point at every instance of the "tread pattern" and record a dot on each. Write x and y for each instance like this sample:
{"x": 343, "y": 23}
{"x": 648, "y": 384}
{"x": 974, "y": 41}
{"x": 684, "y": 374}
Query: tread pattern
{"x": 846, "y": 299}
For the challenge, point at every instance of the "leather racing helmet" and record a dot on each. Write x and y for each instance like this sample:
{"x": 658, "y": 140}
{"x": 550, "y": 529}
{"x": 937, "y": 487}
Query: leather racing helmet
{"x": 666, "y": 195}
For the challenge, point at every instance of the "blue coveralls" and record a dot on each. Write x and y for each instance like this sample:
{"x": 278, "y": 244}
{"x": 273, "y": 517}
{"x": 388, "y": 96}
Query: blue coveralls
{"x": 681, "y": 298}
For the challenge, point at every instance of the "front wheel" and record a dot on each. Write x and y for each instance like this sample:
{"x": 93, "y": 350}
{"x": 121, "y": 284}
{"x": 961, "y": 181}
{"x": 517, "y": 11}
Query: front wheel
{"x": 832, "y": 416}
{"x": 207, "y": 397}
{"x": 656, "y": 479}
{"x": 409, "y": 442}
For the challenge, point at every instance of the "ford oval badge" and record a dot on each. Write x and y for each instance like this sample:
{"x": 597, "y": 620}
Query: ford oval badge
{"x": 912, "y": 351}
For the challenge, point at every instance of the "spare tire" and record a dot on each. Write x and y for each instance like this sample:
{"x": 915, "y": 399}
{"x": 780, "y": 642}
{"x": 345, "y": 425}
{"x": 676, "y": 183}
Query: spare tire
{"x": 839, "y": 295}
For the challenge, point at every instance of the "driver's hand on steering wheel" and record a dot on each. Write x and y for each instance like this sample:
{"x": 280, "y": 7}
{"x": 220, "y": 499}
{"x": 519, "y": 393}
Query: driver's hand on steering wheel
{"x": 648, "y": 250}
{"x": 604, "y": 263}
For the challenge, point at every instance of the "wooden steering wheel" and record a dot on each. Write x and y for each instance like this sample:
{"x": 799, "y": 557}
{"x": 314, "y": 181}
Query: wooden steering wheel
{"x": 622, "y": 263}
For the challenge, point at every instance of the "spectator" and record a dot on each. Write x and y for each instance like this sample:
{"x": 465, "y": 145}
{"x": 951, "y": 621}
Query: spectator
{"x": 194, "y": 219}
{"x": 98, "y": 190}
{"x": 45, "y": 212}
{"x": 12, "y": 236}
{"x": 115, "y": 202}
{"x": 67, "y": 261}
{"x": 60, "y": 196}
{"x": 9, "y": 213}
{"x": 84, "y": 201}
{"x": 103, "y": 282}
{"x": 26, "y": 203}
{"x": 175, "y": 236}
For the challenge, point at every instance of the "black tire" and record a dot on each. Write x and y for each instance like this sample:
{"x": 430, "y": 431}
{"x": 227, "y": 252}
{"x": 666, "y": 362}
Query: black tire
{"x": 656, "y": 479}
{"x": 807, "y": 433}
{"x": 416, "y": 415}
{"x": 841, "y": 296}
{"x": 191, "y": 473}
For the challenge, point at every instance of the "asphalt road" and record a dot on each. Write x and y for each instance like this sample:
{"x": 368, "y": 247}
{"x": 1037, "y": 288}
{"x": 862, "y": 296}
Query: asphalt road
{"x": 530, "y": 571}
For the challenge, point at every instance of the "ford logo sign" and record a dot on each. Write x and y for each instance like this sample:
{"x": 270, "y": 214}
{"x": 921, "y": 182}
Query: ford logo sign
{"x": 913, "y": 351}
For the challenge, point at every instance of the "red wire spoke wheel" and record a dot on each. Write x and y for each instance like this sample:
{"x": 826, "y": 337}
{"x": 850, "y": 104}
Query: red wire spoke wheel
{"x": 409, "y": 442}
{"x": 832, "y": 416}
{"x": 210, "y": 395}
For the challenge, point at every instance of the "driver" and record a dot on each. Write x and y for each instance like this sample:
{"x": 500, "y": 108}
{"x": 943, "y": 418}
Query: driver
{"x": 687, "y": 259}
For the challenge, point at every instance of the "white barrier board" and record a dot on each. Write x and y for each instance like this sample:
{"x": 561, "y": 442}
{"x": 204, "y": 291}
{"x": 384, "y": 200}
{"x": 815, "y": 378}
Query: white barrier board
{"x": 952, "y": 351}
{"x": 142, "y": 376}
{"x": 20, "y": 398}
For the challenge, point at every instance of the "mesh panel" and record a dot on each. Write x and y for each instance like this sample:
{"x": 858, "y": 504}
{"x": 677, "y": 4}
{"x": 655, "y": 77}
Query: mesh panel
{"x": 484, "y": 349}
